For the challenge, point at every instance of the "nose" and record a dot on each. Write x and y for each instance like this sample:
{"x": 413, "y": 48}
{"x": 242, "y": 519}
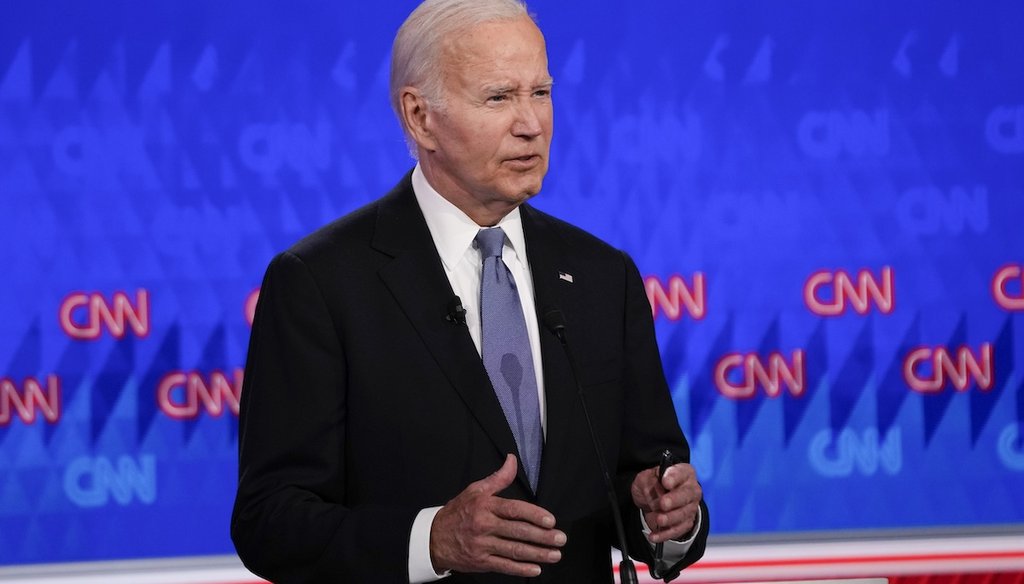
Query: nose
{"x": 528, "y": 121}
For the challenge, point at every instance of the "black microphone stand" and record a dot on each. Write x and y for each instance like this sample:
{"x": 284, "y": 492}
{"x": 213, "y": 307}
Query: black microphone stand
{"x": 555, "y": 321}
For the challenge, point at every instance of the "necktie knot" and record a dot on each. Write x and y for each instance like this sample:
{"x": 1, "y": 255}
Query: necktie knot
{"x": 490, "y": 241}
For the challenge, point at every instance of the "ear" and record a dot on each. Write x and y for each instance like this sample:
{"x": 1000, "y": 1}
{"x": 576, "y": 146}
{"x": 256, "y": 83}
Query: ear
{"x": 415, "y": 115}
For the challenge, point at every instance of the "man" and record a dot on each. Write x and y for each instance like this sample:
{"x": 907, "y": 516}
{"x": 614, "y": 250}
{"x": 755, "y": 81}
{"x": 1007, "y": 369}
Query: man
{"x": 388, "y": 435}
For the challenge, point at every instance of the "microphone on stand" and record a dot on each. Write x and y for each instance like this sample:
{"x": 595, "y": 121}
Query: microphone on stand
{"x": 554, "y": 320}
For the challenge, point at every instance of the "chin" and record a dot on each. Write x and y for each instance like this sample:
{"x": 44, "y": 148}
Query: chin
{"x": 524, "y": 194}
{"x": 527, "y": 188}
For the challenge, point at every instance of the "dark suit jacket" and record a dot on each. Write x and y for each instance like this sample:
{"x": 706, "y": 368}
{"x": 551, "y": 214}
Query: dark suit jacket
{"x": 362, "y": 404}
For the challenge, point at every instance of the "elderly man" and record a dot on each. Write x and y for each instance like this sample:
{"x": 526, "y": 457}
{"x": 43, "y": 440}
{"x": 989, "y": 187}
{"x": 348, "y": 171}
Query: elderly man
{"x": 409, "y": 413}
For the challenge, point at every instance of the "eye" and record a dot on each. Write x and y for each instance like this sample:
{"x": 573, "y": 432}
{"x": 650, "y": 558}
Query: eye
{"x": 498, "y": 98}
{"x": 542, "y": 93}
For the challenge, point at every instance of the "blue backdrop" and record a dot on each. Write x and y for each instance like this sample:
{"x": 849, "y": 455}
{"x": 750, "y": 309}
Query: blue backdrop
{"x": 826, "y": 200}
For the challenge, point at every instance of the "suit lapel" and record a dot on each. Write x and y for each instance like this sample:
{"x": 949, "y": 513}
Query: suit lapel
{"x": 552, "y": 268}
{"x": 416, "y": 279}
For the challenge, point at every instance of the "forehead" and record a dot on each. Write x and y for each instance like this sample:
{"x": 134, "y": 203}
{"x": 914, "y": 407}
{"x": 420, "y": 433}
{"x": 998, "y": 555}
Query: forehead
{"x": 512, "y": 49}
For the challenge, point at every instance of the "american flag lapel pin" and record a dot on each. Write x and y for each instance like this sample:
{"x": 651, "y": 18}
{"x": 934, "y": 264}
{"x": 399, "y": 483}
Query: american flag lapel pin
{"x": 565, "y": 276}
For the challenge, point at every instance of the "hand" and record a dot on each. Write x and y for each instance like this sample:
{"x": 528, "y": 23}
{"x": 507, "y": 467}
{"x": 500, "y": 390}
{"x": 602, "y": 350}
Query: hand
{"x": 669, "y": 505}
{"x": 480, "y": 532}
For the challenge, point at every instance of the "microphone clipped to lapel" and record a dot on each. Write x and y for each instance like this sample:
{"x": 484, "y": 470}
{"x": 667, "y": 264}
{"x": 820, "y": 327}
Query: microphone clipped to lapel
{"x": 456, "y": 313}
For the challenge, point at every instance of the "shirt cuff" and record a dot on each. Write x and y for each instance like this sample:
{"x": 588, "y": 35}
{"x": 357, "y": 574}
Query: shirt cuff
{"x": 673, "y": 550}
{"x": 421, "y": 569}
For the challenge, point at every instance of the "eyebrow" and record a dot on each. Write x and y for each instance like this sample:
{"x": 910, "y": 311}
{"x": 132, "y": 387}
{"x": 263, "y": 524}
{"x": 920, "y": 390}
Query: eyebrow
{"x": 498, "y": 88}
{"x": 504, "y": 88}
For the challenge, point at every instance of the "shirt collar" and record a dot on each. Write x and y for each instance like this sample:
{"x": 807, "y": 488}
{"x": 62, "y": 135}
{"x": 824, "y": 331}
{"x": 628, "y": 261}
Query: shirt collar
{"x": 452, "y": 230}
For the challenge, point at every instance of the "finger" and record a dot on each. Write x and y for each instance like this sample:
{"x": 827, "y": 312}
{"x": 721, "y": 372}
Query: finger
{"x": 530, "y": 533}
{"x": 682, "y": 496}
{"x": 499, "y": 479}
{"x": 669, "y": 519}
{"x": 646, "y": 489}
{"x": 511, "y": 567}
{"x": 525, "y": 552}
{"x": 516, "y": 510}
{"x": 672, "y": 525}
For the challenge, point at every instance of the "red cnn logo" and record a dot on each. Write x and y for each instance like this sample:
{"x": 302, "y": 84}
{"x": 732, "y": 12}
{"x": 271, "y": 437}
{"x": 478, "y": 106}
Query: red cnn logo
{"x": 959, "y": 369}
{"x": 678, "y": 297}
{"x": 180, "y": 393}
{"x": 1004, "y": 298}
{"x": 33, "y": 398}
{"x": 749, "y": 371}
{"x": 83, "y": 316}
{"x": 859, "y": 292}
{"x": 250, "y": 306}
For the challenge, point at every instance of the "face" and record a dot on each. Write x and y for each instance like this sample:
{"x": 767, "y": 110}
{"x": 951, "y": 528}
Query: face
{"x": 486, "y": 147}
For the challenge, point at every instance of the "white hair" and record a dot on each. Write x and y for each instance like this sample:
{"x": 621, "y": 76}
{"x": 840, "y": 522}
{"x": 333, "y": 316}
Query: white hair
{"x": 417, "y": 50}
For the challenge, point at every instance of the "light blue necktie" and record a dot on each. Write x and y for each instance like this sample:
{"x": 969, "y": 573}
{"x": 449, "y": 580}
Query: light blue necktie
{"x": 506, "y": 351}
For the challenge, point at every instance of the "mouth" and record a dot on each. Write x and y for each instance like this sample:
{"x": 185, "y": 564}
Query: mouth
{"x": 525, "y": 162}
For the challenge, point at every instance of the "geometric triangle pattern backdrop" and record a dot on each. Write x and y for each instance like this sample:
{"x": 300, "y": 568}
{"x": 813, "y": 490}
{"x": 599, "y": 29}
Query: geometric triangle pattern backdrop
{"x": 826, "y": 201}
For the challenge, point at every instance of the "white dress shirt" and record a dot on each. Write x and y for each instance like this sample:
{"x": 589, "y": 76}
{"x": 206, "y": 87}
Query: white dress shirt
{"x": 453, "y": 233}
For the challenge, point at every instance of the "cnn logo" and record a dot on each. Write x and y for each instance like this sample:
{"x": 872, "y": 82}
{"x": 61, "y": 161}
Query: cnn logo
{"x": 738, "y": 375}
{"x": 84, "y": 316}
{"x": 832, "y": 293}
{"x": 932, "y": 369}
{"x": 184, "y": 395}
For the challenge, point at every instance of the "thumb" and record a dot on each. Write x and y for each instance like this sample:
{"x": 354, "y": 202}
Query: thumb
{"x": 668, "y": 480}
{"x": 676, "y": 475}
{"x": 501, "y": 478}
